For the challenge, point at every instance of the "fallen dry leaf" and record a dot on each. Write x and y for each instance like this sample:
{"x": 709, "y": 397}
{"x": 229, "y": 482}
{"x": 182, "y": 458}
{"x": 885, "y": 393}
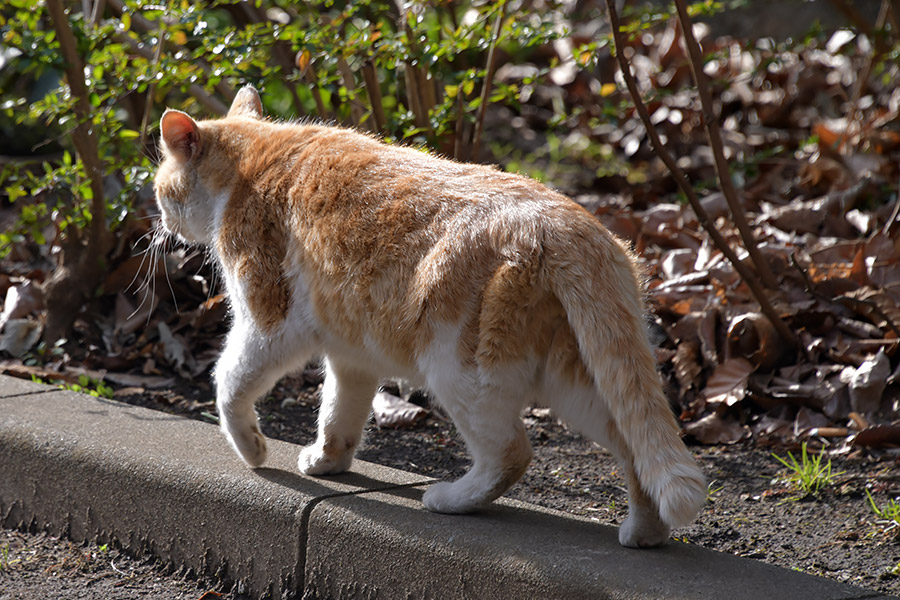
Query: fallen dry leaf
{"x": 713, "y": 429}
{"x": 728, "y": 383}
{"x": 752, "y": 336}
{"x": 21, "y": 301}
{"x": 867, "y": 383}
{"x": 129, "y": 318}
{"x": 878, "y": 436}
{"x": 19, "y": 336}
{"x": 395, "y": 412}
{"x": 150, "y": 382}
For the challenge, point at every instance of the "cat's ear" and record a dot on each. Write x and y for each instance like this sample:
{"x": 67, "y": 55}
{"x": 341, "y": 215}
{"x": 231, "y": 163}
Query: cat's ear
{"x": 246, "y": 103}
{"x": 180, "y": 134}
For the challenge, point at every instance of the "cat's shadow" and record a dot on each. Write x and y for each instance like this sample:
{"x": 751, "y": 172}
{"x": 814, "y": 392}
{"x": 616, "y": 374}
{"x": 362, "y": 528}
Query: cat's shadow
{"x": 501, "y": 513}
{"x": 365, "y": 483}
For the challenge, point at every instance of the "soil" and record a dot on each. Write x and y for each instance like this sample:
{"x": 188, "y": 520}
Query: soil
{"x": 751, "y": 511}
{"x": 38, "y": 565}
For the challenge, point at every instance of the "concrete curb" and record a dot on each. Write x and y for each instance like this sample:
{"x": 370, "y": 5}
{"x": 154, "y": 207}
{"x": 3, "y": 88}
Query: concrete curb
{"x": 93, "y": 468}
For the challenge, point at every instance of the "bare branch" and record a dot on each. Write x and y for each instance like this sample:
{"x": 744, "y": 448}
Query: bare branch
{"x": 373, "y": 90}
{"x": 702, "y": 216}
{"x": 863, "y": 77}
{"x": 356, "y": 111}
{"x": 83, "y": 252}
{"x": 715, "y": 141}
{"x": 420, "y": 94}
{"x": 83, "y": 136}
{"x": 486, "y": 86}
{"x": 151, "y": 91}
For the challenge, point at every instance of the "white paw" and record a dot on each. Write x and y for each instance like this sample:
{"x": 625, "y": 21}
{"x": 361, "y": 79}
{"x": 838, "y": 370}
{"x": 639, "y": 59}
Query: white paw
{"x": 641, "y": 531}
{"x": 249, "y": 443}
{"x": 446, "y": 497}
{"x": 314, "y": 461}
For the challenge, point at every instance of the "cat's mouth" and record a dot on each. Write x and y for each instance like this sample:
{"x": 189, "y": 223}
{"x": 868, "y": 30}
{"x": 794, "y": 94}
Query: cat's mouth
{"x": 170, "y": 226}
{"x": 166, "y": 223}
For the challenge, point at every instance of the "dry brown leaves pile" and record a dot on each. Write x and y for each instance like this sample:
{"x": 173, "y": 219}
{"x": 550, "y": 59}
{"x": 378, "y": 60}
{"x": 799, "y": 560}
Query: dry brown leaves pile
{"x": 821, "y": 193}
{"x": 815, "y": 154}
{"x": 159, "y": 316}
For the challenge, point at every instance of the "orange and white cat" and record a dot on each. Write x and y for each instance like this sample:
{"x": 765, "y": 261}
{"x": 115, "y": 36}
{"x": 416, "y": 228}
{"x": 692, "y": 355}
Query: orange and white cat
{"x": 486, "y": 288}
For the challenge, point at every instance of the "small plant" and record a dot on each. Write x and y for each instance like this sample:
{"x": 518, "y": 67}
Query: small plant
{"x": 711, "y": 491}
{"x": 88, "y": 386}
{"x": 810, "y": 474}
{"x": 210, "y": 416}
{"x": 85, "y": 385}
{"x": 888, "y": 515}
{"x": 4, "y": 557}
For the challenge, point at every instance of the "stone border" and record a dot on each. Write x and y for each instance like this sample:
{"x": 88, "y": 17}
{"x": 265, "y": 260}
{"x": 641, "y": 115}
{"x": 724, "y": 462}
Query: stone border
{"x": 97, "y": 469}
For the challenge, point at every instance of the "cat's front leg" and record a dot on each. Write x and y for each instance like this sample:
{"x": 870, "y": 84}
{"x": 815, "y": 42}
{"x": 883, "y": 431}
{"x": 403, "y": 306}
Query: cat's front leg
{"x": 346, "y": 401}
{"x": 245, "y": 371}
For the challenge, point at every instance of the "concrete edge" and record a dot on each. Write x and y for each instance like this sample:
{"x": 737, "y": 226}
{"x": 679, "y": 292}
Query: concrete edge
{"x": 96, "y": 469}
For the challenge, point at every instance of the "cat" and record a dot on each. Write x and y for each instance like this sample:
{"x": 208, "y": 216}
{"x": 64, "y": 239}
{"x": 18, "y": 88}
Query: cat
{"x": 484, "y": 287}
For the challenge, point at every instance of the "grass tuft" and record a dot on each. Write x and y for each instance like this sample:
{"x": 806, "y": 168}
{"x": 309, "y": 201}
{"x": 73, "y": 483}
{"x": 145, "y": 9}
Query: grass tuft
{"x": 810, "y": 474}
{"x": 888, "y": 515}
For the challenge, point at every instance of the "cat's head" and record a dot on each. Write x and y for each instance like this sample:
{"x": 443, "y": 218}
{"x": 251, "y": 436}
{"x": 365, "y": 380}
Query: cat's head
{"x": 196, "y": 175}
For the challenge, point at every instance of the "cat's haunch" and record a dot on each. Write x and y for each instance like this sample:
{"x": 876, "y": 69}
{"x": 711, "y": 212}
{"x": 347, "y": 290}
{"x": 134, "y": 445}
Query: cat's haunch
{"x": 486, "y": 288}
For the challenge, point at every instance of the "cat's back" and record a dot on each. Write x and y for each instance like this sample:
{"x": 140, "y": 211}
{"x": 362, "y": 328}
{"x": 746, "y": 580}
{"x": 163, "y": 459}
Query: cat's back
{"x": 341, "y": 163}
{"x": 355, "y": 197}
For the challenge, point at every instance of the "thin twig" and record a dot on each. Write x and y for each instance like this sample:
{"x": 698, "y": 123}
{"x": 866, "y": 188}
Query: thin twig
{"x": 356, "y": 111}
{"x": 84, "y": 136}
{"x": 894, "y": 213}
{"x": 863, "y": 76}
{"x": 702, "y": 216}
{"x": 420, "y": 94}
{"x": 310, "y": 77}
{"x": 715, "y": 141}
{"x": 373, "y": 91}
{"x": 458, "y": 129}
{"x": 97, "y": 11}
{"x": 151, "y": 90}
{"x": 486, "y": 86}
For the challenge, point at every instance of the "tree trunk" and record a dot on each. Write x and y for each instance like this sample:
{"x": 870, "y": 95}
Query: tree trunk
{"x": 83, "y": 257}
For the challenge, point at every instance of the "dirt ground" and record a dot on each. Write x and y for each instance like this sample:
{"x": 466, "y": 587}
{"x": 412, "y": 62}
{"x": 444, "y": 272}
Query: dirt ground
{"x": 40, "y": 566}
{"x": 750, "y": 513}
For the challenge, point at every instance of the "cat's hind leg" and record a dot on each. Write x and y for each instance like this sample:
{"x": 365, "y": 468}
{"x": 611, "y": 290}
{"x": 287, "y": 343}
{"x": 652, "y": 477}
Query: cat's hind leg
{"x": 346, "y": 401}
{"x": 643, "y": 527}
{"x": 583, "y": 409}
{"x": 488, "y": 416}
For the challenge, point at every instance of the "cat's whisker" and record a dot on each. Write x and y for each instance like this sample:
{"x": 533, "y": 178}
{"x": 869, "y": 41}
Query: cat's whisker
{"x": 152, "y": 234}
{"x": 150, "y": 256}
{"x": 137, "y": 274}
{"x": 169, "y": 284}
{"x": 151, "y": 151}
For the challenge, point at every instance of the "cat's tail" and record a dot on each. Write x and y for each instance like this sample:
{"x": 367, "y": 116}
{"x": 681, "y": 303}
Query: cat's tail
{"x": 591, "y": 274}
